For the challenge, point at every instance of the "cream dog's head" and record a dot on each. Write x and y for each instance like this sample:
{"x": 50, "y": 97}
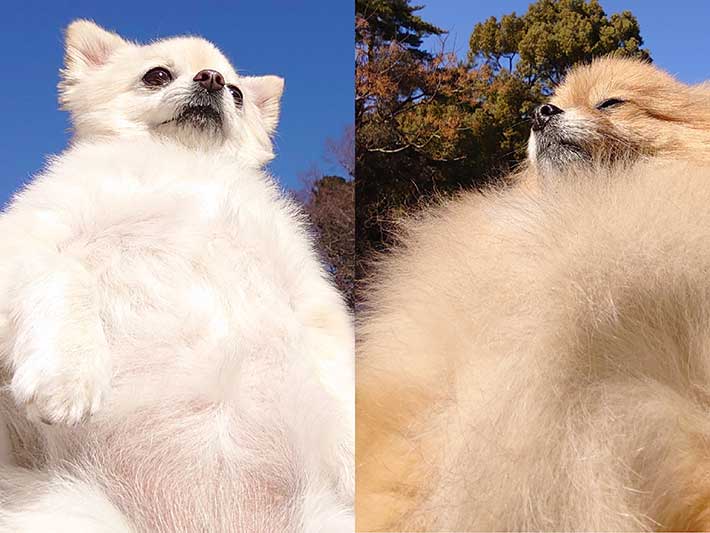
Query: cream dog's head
{"x": 181, "y": 89}
{"x": 619, "y": 108}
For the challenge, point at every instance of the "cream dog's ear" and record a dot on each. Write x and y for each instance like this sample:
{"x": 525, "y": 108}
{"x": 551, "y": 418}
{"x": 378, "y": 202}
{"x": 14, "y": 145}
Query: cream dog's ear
{"x": 87, "y": 46}
{"x": 266, "y": 93}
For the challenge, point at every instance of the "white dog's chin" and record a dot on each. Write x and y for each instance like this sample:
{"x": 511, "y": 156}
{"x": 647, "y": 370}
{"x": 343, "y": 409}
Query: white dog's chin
{"x": 207, "y": 135}
{"x": 167, "y": 303}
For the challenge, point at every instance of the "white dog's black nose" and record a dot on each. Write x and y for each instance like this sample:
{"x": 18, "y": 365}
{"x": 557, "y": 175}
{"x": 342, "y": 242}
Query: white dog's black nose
{"x": 543, "y": 114}
{"x": 211, "y": 80}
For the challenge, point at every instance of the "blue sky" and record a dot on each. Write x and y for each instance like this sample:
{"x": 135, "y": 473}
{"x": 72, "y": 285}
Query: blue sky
{"x": 676, "y": 33}
{"x": 308, "y": 42}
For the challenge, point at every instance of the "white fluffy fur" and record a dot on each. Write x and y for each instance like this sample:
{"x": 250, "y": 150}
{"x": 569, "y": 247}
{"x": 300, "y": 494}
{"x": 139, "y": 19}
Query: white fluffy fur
{"x": 540, "y": 362}
{"x": 163, "y": 308}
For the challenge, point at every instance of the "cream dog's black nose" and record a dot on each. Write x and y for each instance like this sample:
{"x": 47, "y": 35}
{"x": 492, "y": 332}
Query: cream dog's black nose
{"x": 543, "y": 114}
{"x": 211, "y": 80}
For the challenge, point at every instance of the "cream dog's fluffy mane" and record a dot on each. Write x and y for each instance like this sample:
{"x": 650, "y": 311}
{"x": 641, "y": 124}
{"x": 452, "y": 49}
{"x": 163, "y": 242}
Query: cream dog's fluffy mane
{"x": 540, "y": 362}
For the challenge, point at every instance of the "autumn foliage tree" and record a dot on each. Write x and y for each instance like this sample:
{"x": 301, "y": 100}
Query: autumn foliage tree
{"x": 428, "y": 123}
{"x": 330, "y": 207}
{"x": 329, "y": 202}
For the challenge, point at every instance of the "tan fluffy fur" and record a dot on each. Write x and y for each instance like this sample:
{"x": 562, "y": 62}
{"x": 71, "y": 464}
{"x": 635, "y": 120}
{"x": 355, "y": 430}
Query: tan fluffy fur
{"x": 534, "y": 361}
{"x": 540, "y": 362}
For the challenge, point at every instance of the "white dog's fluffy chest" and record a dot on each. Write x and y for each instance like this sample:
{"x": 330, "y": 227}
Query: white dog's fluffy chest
{"x": 197, "y": 268}
{"x": 201, "y": 270}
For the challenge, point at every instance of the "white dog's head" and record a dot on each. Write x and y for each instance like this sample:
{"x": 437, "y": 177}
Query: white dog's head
{"x": 181, "y": 89}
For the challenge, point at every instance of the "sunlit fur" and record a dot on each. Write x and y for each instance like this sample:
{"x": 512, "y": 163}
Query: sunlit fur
{"x": 163, "y": 310}
{"x": 542, "y": 361}
{"x": 659, "y": 117}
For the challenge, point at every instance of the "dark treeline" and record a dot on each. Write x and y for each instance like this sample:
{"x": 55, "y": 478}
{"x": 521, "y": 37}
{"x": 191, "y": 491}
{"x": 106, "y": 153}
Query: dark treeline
{"x": 329, "y": 202}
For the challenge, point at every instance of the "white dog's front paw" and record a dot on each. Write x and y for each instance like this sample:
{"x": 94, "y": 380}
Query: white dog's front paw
{"x": 64, "y": 388}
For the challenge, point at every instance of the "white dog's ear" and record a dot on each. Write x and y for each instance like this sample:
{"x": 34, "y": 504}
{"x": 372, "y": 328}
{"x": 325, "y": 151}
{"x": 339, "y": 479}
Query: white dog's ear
{"x": 266, "y": 92}
{"x": 87, "y": 46}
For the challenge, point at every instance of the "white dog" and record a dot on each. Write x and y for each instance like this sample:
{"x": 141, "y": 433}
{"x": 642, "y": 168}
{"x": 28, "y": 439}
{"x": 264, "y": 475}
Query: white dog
{"x": 177, "y": 359}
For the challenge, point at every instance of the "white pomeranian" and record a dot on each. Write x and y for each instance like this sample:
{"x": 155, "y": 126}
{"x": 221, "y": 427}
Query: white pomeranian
{"x": 176, "y": 357}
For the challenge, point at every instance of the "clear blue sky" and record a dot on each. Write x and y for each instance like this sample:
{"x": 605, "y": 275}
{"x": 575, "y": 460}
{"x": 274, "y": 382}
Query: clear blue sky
{"x": 308, "y": 42}
{"x": 676, "y": 32}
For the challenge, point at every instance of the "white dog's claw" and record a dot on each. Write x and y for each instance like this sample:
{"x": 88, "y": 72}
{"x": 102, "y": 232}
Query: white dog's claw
{"x": 67, "y": 396}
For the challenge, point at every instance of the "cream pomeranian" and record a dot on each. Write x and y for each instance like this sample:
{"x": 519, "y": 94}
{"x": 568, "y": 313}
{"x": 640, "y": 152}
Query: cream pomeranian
{"x": 176, "y": 357}
{"x": 533, "y": 361}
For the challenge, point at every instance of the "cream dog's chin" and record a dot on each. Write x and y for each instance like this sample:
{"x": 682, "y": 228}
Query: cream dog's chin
{"x": 161, "y": 296}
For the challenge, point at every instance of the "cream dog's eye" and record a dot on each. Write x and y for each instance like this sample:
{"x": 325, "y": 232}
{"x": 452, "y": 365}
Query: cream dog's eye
{"x": 236, "y": 94}
{"x": 157, "y": 77}
{"x": 610, "y": 102}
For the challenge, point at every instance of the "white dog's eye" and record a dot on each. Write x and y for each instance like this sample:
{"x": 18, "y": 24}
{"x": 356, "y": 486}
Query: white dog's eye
{"x": 157, "y": 77}
{"x": 610, "y": 102}
{"x": 236, "y": 94}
